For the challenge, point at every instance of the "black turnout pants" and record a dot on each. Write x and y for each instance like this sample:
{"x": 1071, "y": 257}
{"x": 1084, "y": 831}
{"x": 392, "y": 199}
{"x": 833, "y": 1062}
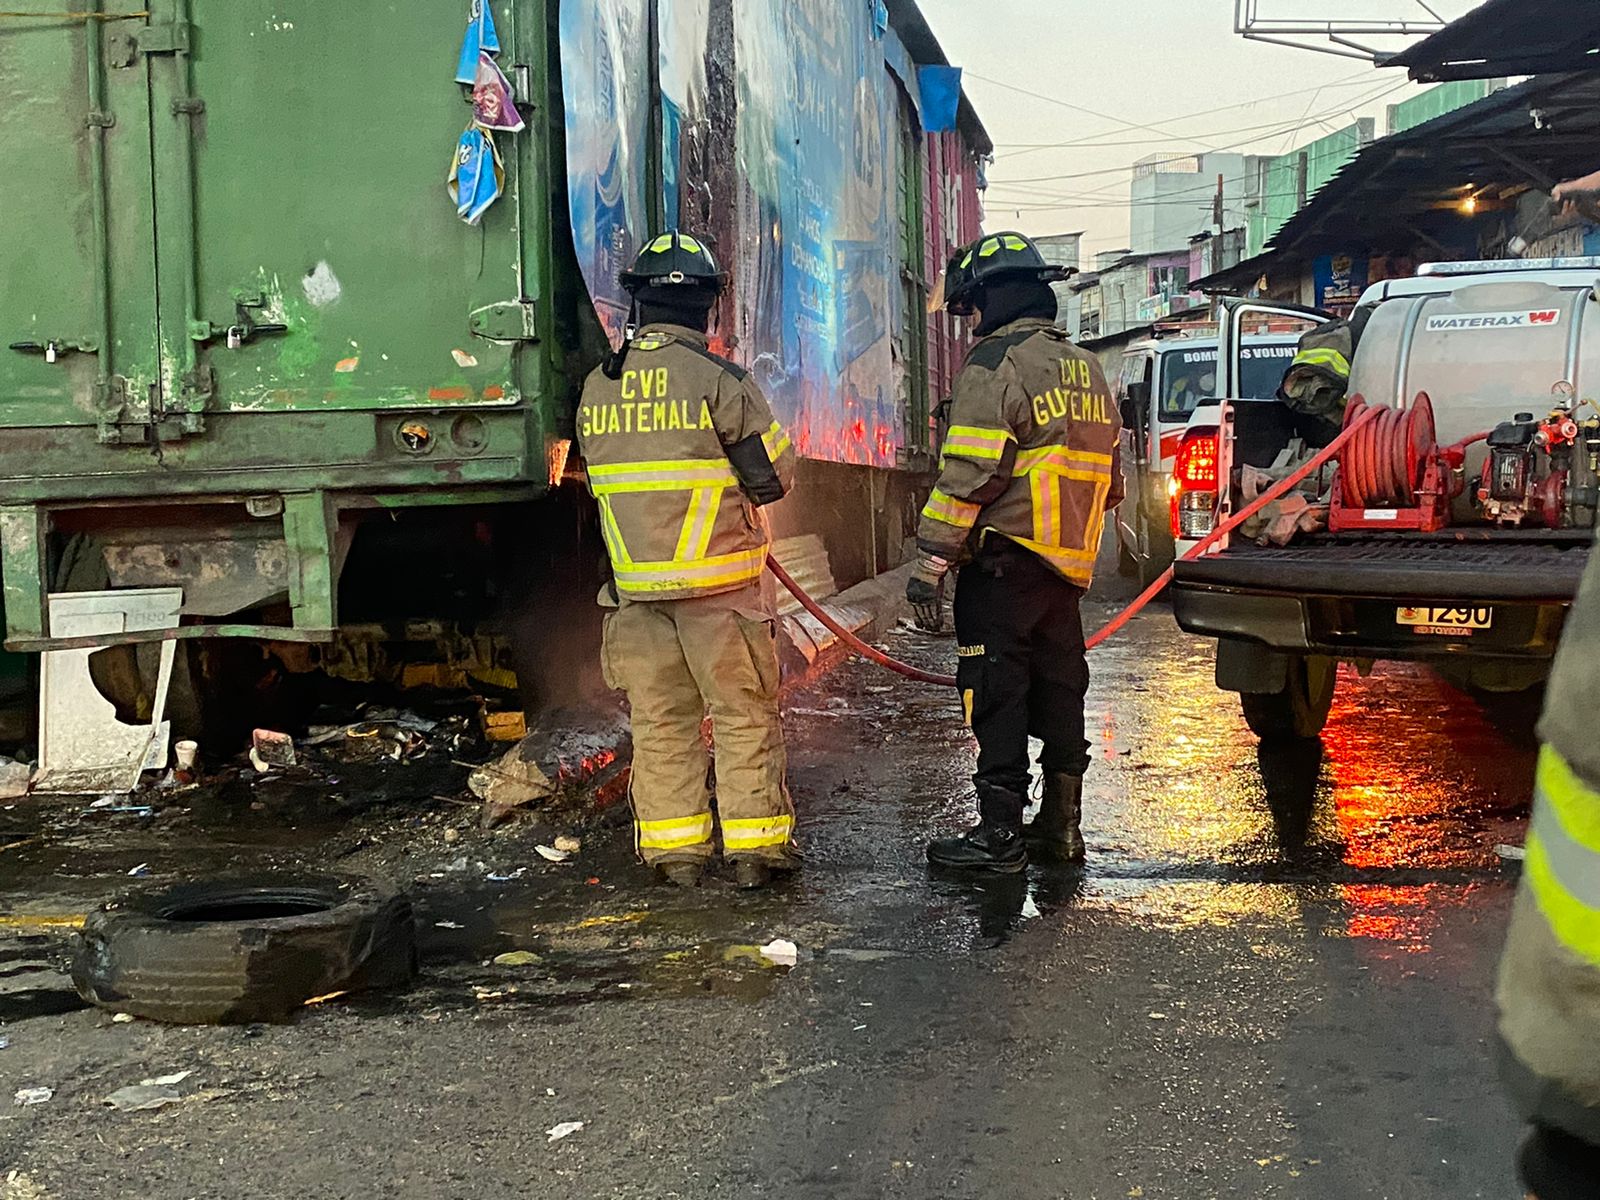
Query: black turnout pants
{"x": 1022, "y": 668}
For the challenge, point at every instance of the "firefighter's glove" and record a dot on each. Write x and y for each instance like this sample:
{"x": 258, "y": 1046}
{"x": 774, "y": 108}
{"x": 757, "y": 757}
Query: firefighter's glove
{"x": 925, "y": 591}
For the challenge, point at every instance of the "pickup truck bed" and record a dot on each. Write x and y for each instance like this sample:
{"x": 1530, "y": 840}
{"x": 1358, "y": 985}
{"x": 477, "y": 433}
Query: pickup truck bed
{"x": 1344, "y": 596}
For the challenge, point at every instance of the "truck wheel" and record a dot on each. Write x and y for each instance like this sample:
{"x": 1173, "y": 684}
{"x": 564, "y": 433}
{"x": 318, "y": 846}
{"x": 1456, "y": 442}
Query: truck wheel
{"x": 244, "y": 950}
{"x": 1300, "y": 709}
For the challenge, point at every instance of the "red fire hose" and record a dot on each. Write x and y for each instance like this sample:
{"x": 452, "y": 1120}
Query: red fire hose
{"x": 1276, "y": 492}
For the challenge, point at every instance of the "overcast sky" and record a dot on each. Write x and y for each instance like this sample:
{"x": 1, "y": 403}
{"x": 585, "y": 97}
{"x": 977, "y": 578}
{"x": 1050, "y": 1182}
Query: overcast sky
{"x": 1165, "y": 65}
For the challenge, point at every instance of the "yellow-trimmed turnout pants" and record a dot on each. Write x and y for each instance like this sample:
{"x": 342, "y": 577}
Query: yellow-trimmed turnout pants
{"x": 677, "y": 660}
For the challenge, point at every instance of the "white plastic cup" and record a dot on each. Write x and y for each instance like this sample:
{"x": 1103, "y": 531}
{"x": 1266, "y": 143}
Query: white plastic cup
{"x": 187, "y": 752}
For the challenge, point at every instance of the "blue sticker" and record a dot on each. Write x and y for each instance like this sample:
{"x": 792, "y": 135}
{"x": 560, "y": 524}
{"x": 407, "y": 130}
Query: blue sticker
{"x": 481, "y": 39}
{"x": 477, "y": 175}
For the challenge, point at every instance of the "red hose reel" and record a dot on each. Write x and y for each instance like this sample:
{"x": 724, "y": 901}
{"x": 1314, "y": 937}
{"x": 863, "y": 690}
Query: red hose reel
{"x": 1393, "y": 474}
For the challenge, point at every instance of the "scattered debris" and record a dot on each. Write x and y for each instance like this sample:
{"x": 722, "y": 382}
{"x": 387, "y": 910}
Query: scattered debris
{"x": 17, "y": 1186}
{"x": 507, "y": 784}
{"x": 506, "y": 877}
{"x": 1511, "y": 853}
{"x": 29, "y": 1096}
{"x": 5, "y": 1043}
{"x": 15, "y": 779}
{"x": 568, "y": 844}
{"x": 551, "y": 854}
{"x": 140, "y": 871}
{"x": 627, "y": 918}
{"x": 448, "y": 925}
{"x": 517, "y": 958}
{"x": 781, "y": 952}
{"x": 505, "y": 726}
{"x": 149, "y": 1093}
{"x": 565, "y": 1129}
{"x": 123, "y": 1019}
{"x": 452, "y": 836}
{"x": 269, "y": 748}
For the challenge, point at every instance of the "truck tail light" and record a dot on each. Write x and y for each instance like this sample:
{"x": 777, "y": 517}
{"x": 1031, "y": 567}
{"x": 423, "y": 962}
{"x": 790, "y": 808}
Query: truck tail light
{"x": 1193, "y": 486}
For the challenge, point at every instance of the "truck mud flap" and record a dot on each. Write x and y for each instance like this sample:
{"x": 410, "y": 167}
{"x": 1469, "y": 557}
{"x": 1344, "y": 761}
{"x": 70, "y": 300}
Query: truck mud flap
{"x": 1246, "y": 667}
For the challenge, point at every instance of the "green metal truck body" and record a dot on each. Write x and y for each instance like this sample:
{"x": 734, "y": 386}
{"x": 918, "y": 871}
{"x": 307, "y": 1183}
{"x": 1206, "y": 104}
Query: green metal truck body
{"x": 238, "y": 311}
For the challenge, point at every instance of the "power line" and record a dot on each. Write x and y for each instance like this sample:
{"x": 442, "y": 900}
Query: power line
{"x": 1215, "y": 149}
{"x": 1075, "y": 107}
{"x": 1320, "y": 119}
{"x": 1021, "y": 148}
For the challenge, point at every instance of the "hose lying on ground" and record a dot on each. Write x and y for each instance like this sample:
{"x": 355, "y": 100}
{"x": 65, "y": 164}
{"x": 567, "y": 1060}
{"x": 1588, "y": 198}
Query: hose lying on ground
{"x": 1276, "y": 492}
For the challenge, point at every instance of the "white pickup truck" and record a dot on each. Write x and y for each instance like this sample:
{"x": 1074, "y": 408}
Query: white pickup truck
{"x": 1481, "y": 591}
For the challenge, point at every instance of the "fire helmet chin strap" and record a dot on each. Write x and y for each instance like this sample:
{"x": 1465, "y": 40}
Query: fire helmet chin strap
{"x": 630, "y": 330}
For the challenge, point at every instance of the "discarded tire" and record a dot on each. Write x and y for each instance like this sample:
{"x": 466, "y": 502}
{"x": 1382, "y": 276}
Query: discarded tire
{"x": 243, "y": 950}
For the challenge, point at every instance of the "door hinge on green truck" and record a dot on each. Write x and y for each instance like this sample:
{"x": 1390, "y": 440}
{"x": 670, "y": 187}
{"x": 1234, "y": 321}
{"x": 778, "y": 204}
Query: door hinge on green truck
{"x": 246, "y": 313}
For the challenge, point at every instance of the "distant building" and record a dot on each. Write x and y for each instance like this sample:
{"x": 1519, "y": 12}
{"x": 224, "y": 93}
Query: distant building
{"x": 1175, "y": 197}
{"x": 1131, "y": 290}
{"x": 1063, "y": 250}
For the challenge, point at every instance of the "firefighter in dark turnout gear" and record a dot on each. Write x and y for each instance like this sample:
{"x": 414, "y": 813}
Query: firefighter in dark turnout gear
{"x": 1028, "y": 470}
{"x": 682, "y": 452}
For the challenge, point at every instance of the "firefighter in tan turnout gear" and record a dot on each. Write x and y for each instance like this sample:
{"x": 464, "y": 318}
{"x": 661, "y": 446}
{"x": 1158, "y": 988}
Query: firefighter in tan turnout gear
{"x": 1029, "y": 469}
{"x": 682, "y": 451}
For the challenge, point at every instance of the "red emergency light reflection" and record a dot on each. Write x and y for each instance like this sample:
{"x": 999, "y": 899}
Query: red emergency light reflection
{"x": 1396, "y": 804}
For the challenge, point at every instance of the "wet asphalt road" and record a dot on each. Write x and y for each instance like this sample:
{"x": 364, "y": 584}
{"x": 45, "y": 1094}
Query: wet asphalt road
{"x": 1273, "y": 979}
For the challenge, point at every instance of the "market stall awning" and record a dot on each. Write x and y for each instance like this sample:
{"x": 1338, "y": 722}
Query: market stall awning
{"x": 1509, "y": 37}
{"x": 1418, "y": 188}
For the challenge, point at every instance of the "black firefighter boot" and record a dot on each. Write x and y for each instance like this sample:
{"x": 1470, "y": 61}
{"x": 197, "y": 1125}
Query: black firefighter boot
{"x": 1055, "y": 832}
{"x": 994, "y": 844}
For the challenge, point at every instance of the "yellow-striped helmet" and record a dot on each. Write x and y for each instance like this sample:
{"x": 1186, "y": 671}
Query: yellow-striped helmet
{"x": 673, "y": 258}
{"x": 992, "y": 257}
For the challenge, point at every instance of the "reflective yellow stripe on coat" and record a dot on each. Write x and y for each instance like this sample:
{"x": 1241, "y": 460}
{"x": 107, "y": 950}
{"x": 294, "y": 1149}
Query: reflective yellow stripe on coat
{"x": 951, "y": 511}
{"x": 970, "y": 441}
{"x": 686, "y": 475}
{"x": 776, "y": 441}
{"x": 690, "y": 568}
{"x": 678, "y": 575}
{"x": 1563, "y": 863}
{"x": 1331, "y": 359}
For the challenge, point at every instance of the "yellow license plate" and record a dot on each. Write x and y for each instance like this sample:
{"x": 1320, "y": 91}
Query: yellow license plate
{"x": 1452, "y": 621}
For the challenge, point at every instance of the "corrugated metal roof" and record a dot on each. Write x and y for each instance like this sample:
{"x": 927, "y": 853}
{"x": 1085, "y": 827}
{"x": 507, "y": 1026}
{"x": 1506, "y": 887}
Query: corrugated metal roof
{"x": 1531, "y": 135}
{"x": 1405, "y": 190}
{"x": 1509, "y": 37}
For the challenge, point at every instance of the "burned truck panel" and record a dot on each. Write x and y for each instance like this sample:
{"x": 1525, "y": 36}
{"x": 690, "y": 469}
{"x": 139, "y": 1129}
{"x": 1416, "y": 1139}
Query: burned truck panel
{"x": 239, "y": 305}
{"x": 798, "y": 139}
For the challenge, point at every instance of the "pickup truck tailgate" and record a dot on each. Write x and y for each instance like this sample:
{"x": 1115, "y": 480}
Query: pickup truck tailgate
{"x": 1485, "y": 568}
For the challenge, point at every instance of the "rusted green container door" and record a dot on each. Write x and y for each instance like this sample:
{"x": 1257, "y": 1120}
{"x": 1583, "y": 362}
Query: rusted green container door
{"x": 309, "y": 257}
{"x": 77, "y": 254}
